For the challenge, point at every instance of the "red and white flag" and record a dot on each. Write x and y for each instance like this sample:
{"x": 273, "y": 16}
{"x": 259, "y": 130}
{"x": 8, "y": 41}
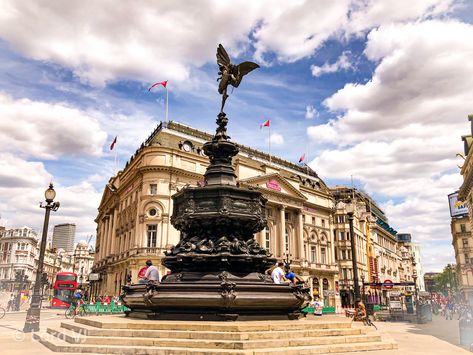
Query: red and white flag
{"x": 113, "y": 143}
{"x": 265, "y": 124}
{"x": 163, "y": 83}
{"x": 302, "y": 158}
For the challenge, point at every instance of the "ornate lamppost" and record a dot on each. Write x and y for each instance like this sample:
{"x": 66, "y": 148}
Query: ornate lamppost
{"x": 350, "y": 208}
{"x": 33, "y": 314}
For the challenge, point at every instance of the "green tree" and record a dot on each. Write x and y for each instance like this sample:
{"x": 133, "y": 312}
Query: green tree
{"x": 447, "y": 280}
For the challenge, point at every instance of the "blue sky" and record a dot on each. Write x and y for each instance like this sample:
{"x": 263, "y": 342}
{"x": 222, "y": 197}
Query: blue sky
{"x": 377, "y": 90}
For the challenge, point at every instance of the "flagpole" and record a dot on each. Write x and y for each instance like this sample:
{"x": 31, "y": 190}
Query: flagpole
{"x": 269, "y": 141}
{"x": 116, "y": 161}
{"x": 166, "y": 105}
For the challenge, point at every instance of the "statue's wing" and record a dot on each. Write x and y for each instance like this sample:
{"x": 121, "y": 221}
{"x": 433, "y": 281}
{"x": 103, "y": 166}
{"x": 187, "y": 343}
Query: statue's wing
{"x": 243, "y": 69}
{"x": 222, "y": 56}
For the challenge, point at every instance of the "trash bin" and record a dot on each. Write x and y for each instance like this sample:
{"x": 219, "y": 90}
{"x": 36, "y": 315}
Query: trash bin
{"x": 466, "y": 332}
{"x": 370, "y": 309}
{"x": 424, "y": 313}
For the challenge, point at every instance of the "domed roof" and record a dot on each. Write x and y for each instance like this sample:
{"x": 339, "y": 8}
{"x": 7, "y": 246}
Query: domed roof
{"x": 82, "y": 243}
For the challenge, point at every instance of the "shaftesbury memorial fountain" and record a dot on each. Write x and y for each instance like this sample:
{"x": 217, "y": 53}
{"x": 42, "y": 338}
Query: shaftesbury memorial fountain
{"x": 218, "y": 268}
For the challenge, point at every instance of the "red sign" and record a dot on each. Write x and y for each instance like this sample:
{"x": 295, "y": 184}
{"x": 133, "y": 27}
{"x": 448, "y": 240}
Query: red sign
{"x": 273, "y": 185}
{"x": 388, "y": 284}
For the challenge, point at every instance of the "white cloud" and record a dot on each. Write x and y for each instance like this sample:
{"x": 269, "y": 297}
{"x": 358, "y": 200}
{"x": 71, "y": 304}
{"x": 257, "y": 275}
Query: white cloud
{"x": 276, "y": 139}
{"x": 399, "y": 132}
{"x": 310, "y": 112}
{"x": 19, "y": 198}
{"x": 342, "y": 63}
{"x": 47, "y": 130}
{"x": 157, "y": 40}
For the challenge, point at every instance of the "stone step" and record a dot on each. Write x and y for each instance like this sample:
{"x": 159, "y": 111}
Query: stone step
{"x": 76, "y": 338}
{"x": 57, "y": 345}
{"x": 185, "y": 334}
{"x": 126, "y": 323}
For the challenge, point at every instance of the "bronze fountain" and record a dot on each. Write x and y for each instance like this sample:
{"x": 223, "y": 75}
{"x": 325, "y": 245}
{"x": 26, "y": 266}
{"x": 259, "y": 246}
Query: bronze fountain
{"x": 218, "y": 270}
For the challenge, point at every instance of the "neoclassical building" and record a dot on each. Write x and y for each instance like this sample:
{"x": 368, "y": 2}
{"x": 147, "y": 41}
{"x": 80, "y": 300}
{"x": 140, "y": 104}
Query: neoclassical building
{"x": 462, "y": 224}
{"x": 133, "y": 222}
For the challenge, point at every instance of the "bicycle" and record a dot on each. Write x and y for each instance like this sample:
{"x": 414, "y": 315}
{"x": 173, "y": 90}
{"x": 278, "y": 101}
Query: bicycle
{"x": 75, "y": 310}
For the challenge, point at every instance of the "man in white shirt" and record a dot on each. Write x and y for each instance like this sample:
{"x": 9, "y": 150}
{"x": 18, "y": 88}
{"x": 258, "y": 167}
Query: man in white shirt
{"x": 278, "y": 274}
{"x": 152, "y": 273}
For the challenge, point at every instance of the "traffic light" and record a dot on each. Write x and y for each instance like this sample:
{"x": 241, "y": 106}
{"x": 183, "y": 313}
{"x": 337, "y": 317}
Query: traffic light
{"x": 44, "y": 278}
{"x": 17, "y": 276}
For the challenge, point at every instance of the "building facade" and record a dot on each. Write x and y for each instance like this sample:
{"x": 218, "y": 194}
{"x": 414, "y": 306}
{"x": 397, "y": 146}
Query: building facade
{"x": 462, "y": 225}
{"x": 63, "y": 236}
{"x": 133, "y": 223}
{"x": 19, "y": 252}
{"x": 462, "y": 241}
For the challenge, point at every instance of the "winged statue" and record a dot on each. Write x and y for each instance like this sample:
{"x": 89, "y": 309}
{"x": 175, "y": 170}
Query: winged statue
{"x": 230, "y": 74}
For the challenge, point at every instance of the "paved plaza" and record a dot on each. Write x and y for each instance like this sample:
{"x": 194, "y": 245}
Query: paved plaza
{"x": 438, "y": 337}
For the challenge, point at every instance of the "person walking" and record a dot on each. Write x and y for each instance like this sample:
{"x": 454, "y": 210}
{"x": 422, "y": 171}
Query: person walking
{"x": 152, "y": 273}
{"x": 11, "y": 303}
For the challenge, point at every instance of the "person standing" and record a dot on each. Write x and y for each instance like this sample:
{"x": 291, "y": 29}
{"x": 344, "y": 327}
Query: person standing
{"x": 152, "y": 273}
{"x": 278, "y": 274}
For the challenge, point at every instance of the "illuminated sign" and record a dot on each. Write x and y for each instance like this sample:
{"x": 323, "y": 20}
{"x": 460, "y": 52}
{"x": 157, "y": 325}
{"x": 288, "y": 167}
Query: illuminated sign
{"x": 457, "y": 208}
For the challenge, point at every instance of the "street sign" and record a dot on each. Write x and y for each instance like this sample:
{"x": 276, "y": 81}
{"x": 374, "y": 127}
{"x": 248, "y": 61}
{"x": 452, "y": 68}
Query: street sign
{"x": 388, "y": 284}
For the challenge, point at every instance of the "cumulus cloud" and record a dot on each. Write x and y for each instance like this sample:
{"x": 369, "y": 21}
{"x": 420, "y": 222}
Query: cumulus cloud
{"x": 22, "y": 186}
{"x": 276, "y": 139}
{"x": 158, "y": 40}
{"x": 310, "y": 112}
{"x": 46, "y": 130}
{"x": 342, "y": 63}
{"x": 397, "y": 132}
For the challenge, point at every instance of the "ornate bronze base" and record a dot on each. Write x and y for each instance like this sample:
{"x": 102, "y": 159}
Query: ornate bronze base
{"x": 215, "y": 297}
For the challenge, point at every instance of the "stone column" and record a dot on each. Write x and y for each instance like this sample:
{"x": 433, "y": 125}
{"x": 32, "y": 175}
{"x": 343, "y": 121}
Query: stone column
{"x": 280, "y": 243}
{"x": 114, "y": 232}
{"x": 300, "y": 236}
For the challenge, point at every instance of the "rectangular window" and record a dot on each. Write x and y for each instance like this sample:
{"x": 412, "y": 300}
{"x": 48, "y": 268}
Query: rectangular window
{"x": 153, "y": 189}
{"x": 286, "y": 216}
{"x": 336, "y": 255}
{"x": 269, "y": 212}
{"x": 152, "y": 233}
{"x": 465, "y": 242}
{"x": 467, "y": 258}
{"x": 267, "y": 239}
{"x": 463, "y": 228}
{"x": 323, "y": 258}
{"x": 323, "y": 223}
{"x": 313, "y": 221}
{"x": 342, "y": 235}
{"x": 313, "y": 254}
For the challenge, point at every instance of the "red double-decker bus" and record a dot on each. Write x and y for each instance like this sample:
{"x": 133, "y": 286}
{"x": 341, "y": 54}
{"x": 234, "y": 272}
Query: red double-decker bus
{"x": 64, "y": 287}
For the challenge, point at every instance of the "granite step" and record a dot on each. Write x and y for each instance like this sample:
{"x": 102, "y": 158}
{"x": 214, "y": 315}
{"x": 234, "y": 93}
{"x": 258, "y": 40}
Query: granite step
{"x": 126, "y": 323}
{"x": 219, "y": 335}
{"x": 76, "y": 338}
{"x": 57, "y": 345}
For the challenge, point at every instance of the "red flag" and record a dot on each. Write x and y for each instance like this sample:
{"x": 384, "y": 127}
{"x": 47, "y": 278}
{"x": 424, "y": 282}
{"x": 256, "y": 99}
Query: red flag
{"x": 265, "y": 124}
{"x": 113, "y": 143}
{"x": 163, "y": 83}
{"x": 302, "y": 158}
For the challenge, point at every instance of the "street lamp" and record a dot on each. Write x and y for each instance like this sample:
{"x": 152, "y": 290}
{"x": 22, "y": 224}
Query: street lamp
{"x": 350, "y": 208}
{"x": 33, "y": 314}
